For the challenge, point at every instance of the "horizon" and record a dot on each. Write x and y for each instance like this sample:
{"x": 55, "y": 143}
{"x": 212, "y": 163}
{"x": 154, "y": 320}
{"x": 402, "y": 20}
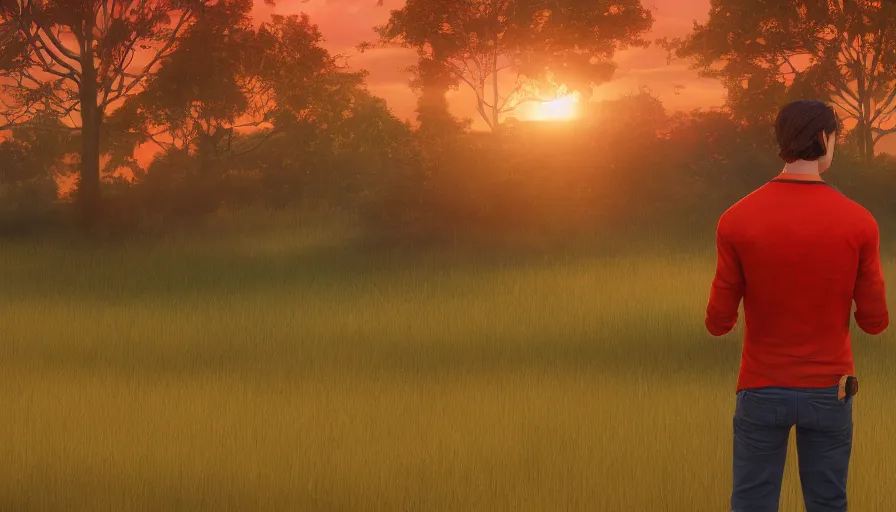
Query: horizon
{"x": 347, "y": 23}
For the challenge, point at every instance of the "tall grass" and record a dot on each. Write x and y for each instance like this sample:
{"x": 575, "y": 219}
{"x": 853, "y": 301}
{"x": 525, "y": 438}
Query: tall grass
{"x": 293, "y": 370}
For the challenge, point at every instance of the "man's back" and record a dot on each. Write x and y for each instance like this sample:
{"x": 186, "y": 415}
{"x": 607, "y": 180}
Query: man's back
{"x": 798, "y": 252}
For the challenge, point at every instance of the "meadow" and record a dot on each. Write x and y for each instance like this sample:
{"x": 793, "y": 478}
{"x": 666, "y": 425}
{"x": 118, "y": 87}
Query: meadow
{"x": 292, "y": 369}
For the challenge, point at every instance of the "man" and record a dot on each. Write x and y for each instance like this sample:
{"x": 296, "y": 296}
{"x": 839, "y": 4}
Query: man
{"x": 799, "y": 253}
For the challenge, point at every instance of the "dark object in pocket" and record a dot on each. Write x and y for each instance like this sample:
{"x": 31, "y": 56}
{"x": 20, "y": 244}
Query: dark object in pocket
{"x": 849, "y": 386}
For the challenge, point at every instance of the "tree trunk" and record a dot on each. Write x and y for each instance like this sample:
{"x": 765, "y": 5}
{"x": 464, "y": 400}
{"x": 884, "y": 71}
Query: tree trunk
{"x": 866, "y": 142}
{"x": 89, "y": 195}
{"x": 496, "y": 114}
{"x": 868, "y": 155}
{"x": 205, "y": 154}
{"x": 209, "y": 178}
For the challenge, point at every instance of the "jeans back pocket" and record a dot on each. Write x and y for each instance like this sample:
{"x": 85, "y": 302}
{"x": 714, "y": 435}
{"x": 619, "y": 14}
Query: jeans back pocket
{"x": 831, "y": 413}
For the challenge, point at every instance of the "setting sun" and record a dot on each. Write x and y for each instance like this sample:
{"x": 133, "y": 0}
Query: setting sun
{"x": 555, "y": 110}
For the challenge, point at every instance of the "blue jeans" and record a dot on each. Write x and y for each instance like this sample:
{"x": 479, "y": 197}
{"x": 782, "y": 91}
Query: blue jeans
{"x": 762, "y": 422}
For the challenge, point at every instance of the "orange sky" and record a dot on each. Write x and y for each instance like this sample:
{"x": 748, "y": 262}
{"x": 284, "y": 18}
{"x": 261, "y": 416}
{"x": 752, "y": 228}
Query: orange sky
{"x": 345, "y": 23}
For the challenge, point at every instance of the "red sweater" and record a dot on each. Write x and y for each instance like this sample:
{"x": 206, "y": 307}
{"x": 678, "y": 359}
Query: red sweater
{"x": 798, "y": 253}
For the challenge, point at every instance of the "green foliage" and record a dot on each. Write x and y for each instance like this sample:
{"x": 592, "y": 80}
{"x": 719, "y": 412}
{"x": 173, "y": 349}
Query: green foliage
{"x": 432, "y": 80}
{"x": 121, "y": 134}
{"x": 231, "y": 99}
{"x": 227, "y": 76}
{"x": 41, "y": 37}
{"x": 28, "y": 188}
{"x": 353, "y": 160}
{"x": 769, "y": 53}
{"x": 205, "y": 83}
{"x": 263, "y": 116}
{"x": 546, "y": 180}
{"x": 78, "y": 60}
{"x": 25, "y": 174}
{"x": 628, "y": 166}
{"x": 208, "y": 87}
{"x": 308, "y": 82}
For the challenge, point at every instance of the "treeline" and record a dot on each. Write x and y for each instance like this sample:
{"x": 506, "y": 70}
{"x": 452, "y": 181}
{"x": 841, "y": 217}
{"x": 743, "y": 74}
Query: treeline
{"x": 247, "y": 115}
{"x": 627, "y": 165}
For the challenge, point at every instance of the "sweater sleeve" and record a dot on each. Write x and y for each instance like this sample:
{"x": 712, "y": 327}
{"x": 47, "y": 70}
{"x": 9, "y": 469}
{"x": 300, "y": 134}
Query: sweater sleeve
{"x": 727, "y": 286}
{"x": 870, "y": 294}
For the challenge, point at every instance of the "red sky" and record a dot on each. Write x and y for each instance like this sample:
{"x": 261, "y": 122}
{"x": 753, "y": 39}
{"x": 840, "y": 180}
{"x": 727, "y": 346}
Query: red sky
{"x": 345, "y": 23}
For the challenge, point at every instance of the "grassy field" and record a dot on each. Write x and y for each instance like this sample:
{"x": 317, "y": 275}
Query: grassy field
{"x": 292, "y": 372}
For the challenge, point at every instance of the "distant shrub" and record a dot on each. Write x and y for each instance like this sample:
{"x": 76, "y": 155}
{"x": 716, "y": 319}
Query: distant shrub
{"x": 28, "y": 190}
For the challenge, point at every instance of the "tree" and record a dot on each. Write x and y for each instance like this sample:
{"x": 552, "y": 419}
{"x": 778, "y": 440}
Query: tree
{"x": 539, "y": 44}
{"x": 308, "y": 83}
{"x": 79, "y": 60}
{"x": 767, "y": 53}
{"x": 231, "y": 88}
{"x": 30, "y": 163}
{"x": 209, "y": 88}
{"x": 433, "y": 80}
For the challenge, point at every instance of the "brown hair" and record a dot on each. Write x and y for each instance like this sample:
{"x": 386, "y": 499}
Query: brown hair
{"x": 799, "y": 127}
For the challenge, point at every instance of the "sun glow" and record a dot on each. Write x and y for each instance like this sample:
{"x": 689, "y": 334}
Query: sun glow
{"x": 563, "y": 108}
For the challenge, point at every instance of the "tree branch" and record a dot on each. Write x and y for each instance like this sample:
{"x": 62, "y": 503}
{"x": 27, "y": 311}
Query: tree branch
{"x": 37, "y": 46}
{"x": 260, "y": 143}
{"x": 880, "y": 133}
{"x": 57, "y": 43}
{"x": 36, "y": 38}
{"x": 161, "y": 53}
{"x": 884, "y": 105}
